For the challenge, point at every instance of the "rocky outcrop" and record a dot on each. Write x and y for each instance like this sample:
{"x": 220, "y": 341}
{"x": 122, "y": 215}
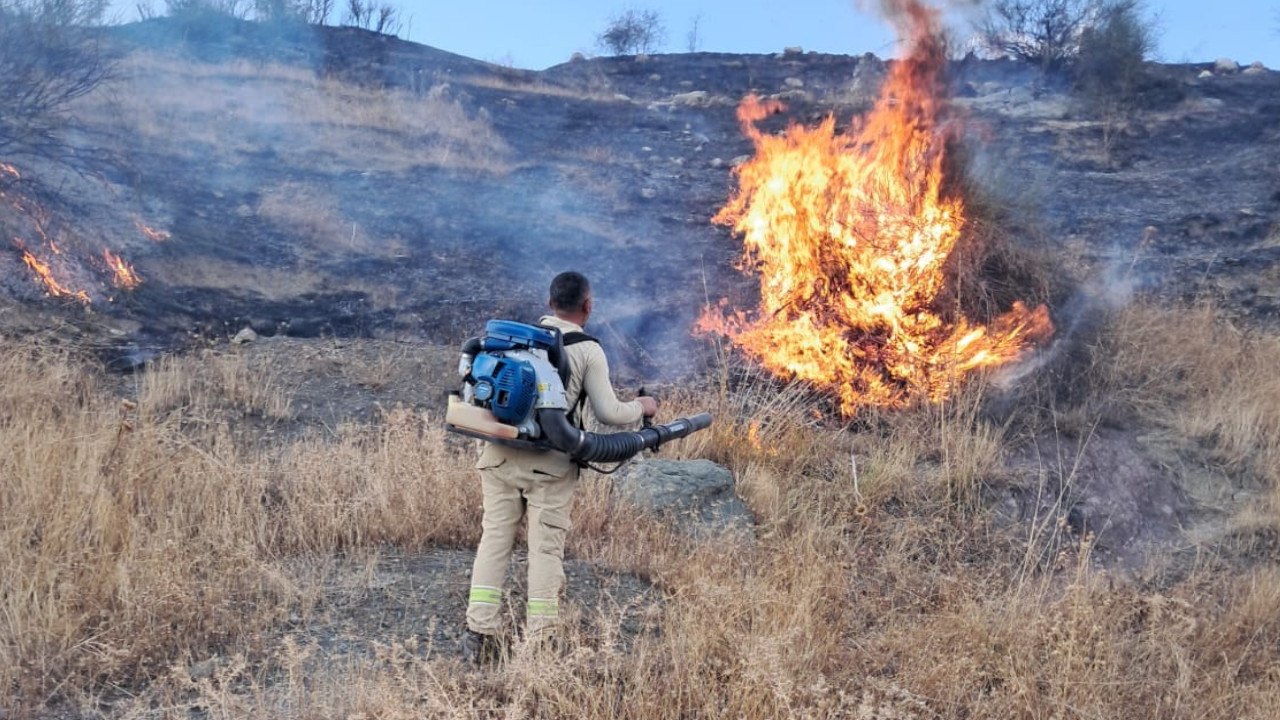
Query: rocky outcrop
{"x": 698, "y": 495}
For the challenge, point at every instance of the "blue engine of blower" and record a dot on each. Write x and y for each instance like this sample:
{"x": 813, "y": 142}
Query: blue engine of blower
{"x": 508, "y": 386}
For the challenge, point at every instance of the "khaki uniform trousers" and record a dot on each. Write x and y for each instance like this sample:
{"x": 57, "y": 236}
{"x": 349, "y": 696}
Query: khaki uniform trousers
{"x": 508, "y": 488}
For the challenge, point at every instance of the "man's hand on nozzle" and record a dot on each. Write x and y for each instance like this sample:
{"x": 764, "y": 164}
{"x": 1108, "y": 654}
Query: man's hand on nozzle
{"x": 649, "y": 405}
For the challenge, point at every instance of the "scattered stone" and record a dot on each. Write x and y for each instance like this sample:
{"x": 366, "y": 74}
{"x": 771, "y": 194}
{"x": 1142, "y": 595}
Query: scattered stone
{"x": 1225, "y": 66}
{"x": 698, "y": 494}
{"x": 203, "y": 669}
{"x": 793, "y": 82}
{"x": 795, "y": 96}
{"x": 693, "y": 97}
{"x": 648, "y": 193}
{"x": 245, "y": 336}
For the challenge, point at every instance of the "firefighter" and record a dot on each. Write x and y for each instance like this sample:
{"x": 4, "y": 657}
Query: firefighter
{"x": 540, "y": 484}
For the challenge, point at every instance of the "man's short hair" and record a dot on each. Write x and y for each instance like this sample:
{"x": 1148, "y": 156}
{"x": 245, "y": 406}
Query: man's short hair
{"x": 569, "y": 291}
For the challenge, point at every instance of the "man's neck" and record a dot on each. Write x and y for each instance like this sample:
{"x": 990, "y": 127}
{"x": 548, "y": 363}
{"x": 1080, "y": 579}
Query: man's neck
{"x": 579, "y": 319}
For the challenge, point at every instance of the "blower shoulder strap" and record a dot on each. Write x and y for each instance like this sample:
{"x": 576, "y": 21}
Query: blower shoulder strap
{"x": 573, "y": 338}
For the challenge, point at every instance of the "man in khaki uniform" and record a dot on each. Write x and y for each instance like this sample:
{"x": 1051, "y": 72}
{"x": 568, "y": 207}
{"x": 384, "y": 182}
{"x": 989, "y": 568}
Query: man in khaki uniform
{"x": 542, "y": 482}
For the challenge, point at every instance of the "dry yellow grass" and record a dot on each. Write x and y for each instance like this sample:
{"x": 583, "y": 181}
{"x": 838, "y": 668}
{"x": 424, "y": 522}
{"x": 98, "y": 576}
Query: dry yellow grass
{"x": 222, "y": 110}
{"x": 138, "y": 538}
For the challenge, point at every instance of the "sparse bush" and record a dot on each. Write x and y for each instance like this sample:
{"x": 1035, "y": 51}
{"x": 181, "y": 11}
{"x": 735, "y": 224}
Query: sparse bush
{"x": 693, "y": 38}
{"x": 1113, "y": 49}
{"x": 368, "y": 14}
{"x": 237, "y": 9}
{"x": 633, "y": 32}
{"x": 48, "y": 57}
{"x": 1043, "y": 32}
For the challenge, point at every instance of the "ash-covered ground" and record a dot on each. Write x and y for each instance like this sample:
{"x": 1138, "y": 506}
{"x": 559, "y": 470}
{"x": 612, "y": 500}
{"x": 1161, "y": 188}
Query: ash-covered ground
{"x": 335, "y": 182}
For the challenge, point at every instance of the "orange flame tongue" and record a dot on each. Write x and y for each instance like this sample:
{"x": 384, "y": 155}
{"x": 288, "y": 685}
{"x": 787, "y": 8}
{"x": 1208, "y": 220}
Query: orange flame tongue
{"x": 51, "y": 284}
{"x": 849, "y": 235}
{"x": 123, "y": 274}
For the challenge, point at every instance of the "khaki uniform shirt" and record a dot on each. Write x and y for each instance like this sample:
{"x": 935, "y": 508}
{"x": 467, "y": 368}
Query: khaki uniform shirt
{"x": 589, "y": 372}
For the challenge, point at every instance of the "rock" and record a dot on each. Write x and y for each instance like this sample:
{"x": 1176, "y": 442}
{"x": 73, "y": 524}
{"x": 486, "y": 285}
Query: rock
{"x": 577, "y": 57}
{"x": 795, "y": 96}
{"x": 739, "y": 160}
{"x": 622, "y": 97}
{"x": 793, "y": 82}
{"x": 693, "y": 97}
{"x": 246, "y": 335}
{"x": 648, "y": 193}
{"x": 642, "y": 59}
{"x": 716, "y": 163}
{"x": 1205, "y": 74}
{"x": 793, "y": 50}
{"x": 655, "y": 78}
{"x": 203, "y": 669}
{"x": 1256, "y": 68}
{"x": 1225, "y": 66}
{"x": 698, "y": 494}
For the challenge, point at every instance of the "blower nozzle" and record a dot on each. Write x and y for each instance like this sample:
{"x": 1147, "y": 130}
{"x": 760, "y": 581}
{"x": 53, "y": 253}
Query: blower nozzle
{"x": 614, "y": 447}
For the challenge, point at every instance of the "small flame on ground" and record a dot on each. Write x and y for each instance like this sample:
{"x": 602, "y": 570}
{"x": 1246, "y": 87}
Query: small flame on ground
{"x": 45, "y": 276}
{"x": 152, "y": 234}
{"x": 849, "y": 234}
{"x": 753, "y": 436}
{"x": 123, "y": 274}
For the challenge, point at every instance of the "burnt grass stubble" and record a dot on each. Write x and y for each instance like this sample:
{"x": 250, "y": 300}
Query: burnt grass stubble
{"x": 606, "y": 173}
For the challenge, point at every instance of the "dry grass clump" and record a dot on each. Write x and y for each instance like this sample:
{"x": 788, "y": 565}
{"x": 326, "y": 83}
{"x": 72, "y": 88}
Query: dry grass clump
{"x": 200, "y": 111}
{"x": 1207, "y": 383}
{"x": 139, "y": 533}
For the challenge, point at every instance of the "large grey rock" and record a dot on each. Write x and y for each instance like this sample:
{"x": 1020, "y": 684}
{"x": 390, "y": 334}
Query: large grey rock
{"x": 698, "y": 494}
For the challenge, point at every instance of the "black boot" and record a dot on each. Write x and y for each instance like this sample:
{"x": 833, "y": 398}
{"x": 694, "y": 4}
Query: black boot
{"x": 480, "y": 649}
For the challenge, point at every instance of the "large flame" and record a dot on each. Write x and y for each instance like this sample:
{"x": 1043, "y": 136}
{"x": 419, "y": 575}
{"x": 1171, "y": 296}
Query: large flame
{"x": 849, "y": 235}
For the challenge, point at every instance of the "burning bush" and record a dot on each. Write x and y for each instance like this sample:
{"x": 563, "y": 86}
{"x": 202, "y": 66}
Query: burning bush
{"x": 853, "y": 237}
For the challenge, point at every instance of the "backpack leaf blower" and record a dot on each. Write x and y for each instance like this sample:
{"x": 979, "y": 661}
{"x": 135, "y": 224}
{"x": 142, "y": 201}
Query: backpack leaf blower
{"x": 513, "y": 393}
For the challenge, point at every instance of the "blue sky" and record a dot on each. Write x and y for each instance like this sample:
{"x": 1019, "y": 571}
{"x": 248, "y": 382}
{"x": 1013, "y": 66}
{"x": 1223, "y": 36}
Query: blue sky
{"x": 539, "y": 33}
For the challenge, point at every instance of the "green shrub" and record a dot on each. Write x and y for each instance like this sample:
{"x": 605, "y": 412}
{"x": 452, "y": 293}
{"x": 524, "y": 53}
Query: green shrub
{"x": 1111, "y": 65}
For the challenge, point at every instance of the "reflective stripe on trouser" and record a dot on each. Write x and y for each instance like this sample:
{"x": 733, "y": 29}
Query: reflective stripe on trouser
{"x": 506, "y": 489}
{"x": 485, "y": 595}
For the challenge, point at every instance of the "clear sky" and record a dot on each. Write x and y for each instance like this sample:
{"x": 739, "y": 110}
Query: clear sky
{"x": 540, "y": 33}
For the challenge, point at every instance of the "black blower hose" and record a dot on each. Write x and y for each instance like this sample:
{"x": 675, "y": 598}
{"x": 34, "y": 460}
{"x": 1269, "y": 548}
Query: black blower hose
{"x": 614, "y": 447}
